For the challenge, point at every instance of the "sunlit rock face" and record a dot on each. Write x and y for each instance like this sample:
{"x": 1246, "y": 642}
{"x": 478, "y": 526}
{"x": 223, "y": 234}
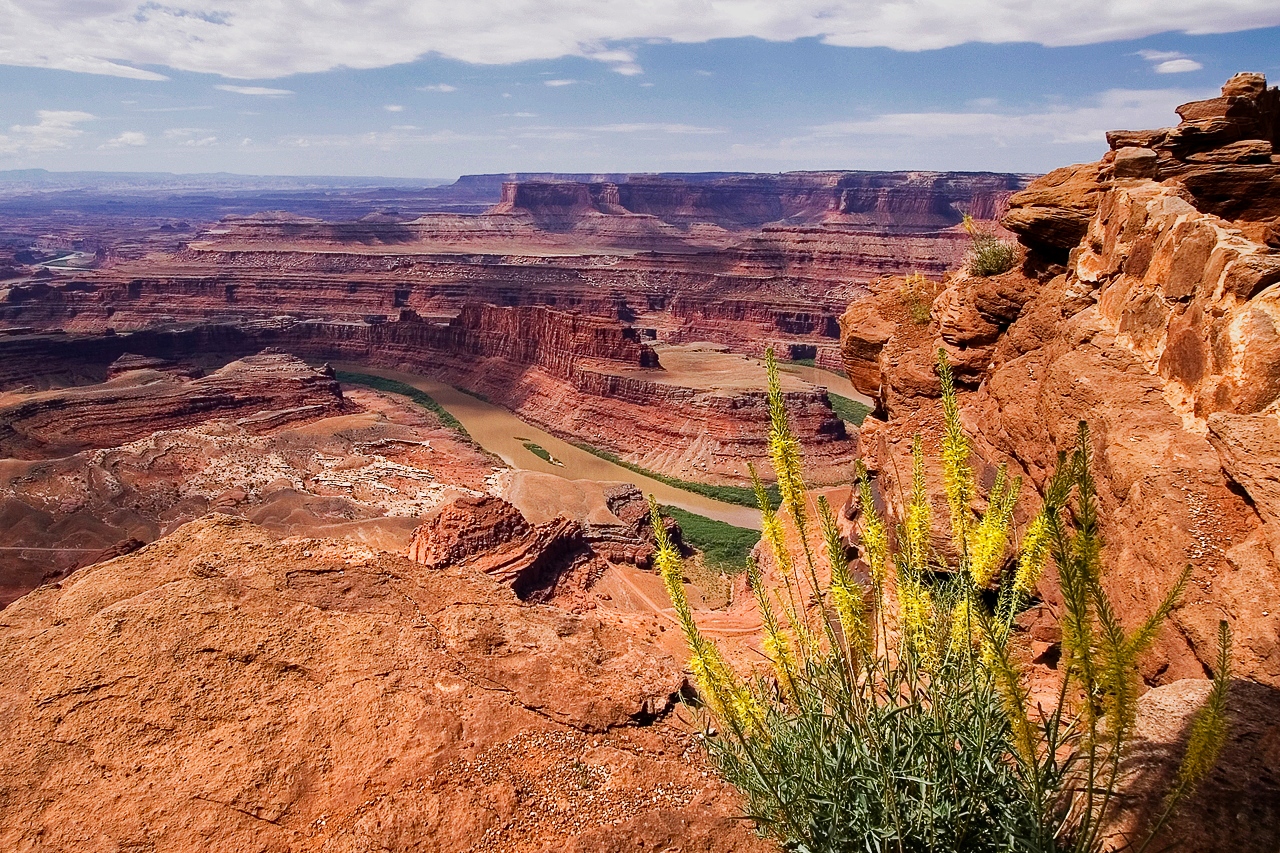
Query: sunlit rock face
{"x": 1148, "y": 305}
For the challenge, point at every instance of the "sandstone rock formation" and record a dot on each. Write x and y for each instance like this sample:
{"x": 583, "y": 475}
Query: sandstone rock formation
{"x": 744, "y": 260}
{"x": 540, "y": 563}
{"x": 1238, "y": 806}
{"x": 1158, "y": 327}
{"x": 589, "y": 378}
{"x": 364, "y": 470}
{"x": 259, "y": 392}
{"x": 221, "y": 689}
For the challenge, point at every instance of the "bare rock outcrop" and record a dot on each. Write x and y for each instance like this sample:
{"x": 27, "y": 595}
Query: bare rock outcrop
{"x": 222, "y": 689}
{"x": 1237, "y": 807}
{"x": 1157, "y": 325}
{"x": 486, "y": 534}
{"x": 263, "y": 391}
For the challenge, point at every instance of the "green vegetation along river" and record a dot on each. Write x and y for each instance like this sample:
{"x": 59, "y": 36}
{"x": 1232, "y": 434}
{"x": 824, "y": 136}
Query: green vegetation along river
{"x": 500, "y": 432}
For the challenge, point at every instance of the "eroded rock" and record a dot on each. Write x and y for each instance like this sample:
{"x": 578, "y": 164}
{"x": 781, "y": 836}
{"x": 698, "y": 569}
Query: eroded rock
{"x": 222, "y": 689}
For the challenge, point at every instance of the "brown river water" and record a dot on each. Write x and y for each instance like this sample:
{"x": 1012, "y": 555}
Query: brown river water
{"x": 500, "y": 432}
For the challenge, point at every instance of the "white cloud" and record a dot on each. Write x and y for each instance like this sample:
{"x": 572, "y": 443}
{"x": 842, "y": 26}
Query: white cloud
{"x": 438, "y": 87}
{"x": 91, "y": 65}
{"x": 260, "y": 39}
{"x": 647, "y": 127}
{"x": 1082, "y": 123}
{"x": 54, "y": 130}
{"x": 1169, "y": 61}
{"x": 393, "y": 108}
{"x": 127, "y": 139}
{"x": 1178, "y": 66}
{"x": 557, "y": 83}
{"x": 259, "y": 91}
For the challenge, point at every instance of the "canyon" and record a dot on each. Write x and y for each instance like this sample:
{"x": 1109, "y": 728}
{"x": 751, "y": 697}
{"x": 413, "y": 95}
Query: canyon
{"x": 316, "y": 614}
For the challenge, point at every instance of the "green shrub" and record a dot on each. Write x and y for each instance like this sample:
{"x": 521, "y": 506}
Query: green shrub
{"x": 917, "y": 294}
{"x": 541, "y": 452}
{"x": 991, "y": 255}
{"x": 391, "y": 386}
{"x": 848, "y": 410}
{"x": 895, "y": 716}
{"x": 724, "y": 547}
{"x": 739, "y": 495}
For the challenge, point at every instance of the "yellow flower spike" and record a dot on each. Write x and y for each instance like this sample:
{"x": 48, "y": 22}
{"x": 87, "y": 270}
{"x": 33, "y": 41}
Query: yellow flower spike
{"x": 1035, "y": 552}
{"x": 875, "y": 538}
{"x": 919, "y": 513}
{"x": 965, "y": 627}
{"x": 777, "y": 645}
{"x": 784, "y": 447}
{"x": 1012, "y": 693}
{"x": 845, "y": 593}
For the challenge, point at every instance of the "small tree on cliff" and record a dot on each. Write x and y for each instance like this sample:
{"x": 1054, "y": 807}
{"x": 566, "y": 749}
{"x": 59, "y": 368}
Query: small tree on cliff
{"x": 894, "y": 714}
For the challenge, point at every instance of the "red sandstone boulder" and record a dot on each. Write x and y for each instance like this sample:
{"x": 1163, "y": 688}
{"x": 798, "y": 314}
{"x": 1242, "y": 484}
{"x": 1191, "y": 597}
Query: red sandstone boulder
{"x": 1237, "y": 807}
{"x": 863, "y": 334}
{"x": 489, "y": 535}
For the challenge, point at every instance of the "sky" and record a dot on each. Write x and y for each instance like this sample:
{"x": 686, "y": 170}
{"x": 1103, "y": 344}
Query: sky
{"x": 440, "y": 88}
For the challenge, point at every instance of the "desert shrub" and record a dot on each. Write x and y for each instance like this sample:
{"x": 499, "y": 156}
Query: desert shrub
{"x": 740, "y": 495}
{"x": 894, "y": 714}
{"x": 917, "y": 294}
{"x": 848, "y": 410}
{"x": 725, "y": 547}
{"x": 541, "y": 452}
{"x": 991, "y": 255}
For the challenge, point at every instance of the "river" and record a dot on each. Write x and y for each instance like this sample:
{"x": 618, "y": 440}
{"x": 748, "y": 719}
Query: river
{"x": 503, "y": 434}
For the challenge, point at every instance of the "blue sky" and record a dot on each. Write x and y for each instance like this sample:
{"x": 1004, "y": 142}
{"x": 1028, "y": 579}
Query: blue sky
{"x": 568, "y": 85}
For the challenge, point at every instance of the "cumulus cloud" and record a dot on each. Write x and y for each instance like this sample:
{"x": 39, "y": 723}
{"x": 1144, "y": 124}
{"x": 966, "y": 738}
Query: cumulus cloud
{"x": 191, "y": 137}
{"x": 260, "y": 39}
{"x": 394, "y": 108}
{"x": 438, "y": 87}
{"x": 127, "y": 139}
{"x": 557, "y": 83}
{"x": 259, "y": 91}
{"x": 54, "y": 129}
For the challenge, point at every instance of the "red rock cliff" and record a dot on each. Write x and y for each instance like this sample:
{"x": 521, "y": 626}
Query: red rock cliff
{"x": 1160, "y": 326}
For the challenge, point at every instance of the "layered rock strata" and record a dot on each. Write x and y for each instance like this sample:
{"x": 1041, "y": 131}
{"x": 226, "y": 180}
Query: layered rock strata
{"x": 743, "y": 260}
{"x": 366, "y": 473}
{"x": 590, "y": 379}
{"x": 1161, "y": 332}
{"x": 259, "y": 392}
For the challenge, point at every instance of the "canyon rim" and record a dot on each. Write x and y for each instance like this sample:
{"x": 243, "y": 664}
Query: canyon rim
{"x": 334, "y": 511}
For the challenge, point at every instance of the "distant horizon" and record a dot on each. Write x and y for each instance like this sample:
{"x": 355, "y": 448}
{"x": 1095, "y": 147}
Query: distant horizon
{"x": 442, "y": 89}
{"x": 444, "y": 181}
